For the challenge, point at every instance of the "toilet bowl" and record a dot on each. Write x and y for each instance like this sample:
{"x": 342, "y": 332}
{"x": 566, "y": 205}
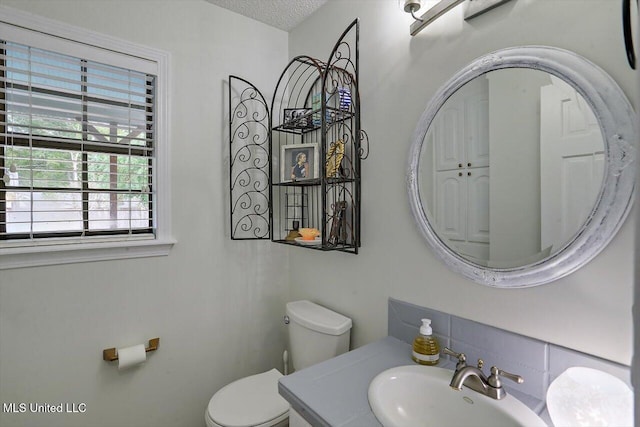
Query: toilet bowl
{"x": 249, "y": 402}
{"x": 315, "y": 334}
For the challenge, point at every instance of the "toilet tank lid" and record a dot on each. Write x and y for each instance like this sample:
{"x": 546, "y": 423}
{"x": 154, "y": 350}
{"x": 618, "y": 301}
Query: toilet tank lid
{"x": 318, "y": 318}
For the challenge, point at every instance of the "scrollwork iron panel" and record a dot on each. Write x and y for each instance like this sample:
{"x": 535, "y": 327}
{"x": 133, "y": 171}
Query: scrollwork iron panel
{"x": 249, "y": 162}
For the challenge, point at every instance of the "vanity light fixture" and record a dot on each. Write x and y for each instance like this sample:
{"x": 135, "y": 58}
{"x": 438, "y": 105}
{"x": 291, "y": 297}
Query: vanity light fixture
{"x": 412, "y": 6}
{"x": 473, "y": 9}
{"x": 439, "y": 9}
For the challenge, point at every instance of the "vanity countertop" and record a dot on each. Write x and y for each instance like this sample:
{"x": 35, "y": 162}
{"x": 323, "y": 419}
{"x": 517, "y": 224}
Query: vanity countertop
{"x": 334, "y": 393}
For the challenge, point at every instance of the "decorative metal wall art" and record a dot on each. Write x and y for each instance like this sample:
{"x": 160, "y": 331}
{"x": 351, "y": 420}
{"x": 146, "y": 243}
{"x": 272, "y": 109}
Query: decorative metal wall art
{"x": 249, "y": 161}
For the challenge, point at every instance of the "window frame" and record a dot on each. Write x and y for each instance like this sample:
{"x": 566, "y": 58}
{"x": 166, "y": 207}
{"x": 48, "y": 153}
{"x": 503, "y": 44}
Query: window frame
{"x": 59, "y": 37}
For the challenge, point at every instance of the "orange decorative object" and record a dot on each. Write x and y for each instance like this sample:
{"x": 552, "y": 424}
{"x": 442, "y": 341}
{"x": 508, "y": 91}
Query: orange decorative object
{"x": 309, "y": 233}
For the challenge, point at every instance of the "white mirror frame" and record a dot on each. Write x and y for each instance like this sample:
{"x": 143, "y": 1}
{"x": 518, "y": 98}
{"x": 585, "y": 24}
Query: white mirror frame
{"x": 618, "y": 124}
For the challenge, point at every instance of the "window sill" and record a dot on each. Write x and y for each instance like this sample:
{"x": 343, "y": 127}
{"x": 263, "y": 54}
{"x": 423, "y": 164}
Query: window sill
{"x": 33, "y": 256}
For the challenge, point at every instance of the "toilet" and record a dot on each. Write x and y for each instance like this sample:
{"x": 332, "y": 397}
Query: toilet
{"x": 315, "y": 334}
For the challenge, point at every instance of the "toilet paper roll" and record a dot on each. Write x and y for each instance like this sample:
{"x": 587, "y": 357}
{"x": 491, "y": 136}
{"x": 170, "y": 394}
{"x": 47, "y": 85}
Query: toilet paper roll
{"x": 131, "y": 356}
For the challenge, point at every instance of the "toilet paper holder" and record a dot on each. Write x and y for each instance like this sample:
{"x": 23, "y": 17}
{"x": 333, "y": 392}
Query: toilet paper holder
{"x": 111, "y": 354}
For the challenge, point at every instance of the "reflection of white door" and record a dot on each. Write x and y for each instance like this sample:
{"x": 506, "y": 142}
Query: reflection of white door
{"x": 462, "y": 210}
{"x": 461, "y": 129}
{"x": 451, "y": 204}
{"x": 571, "y": 162}
{"x": 448, "y": 138}
{"x": 478, "y": 205}
{"x": 460, "y": 136}
{"x": 476, "y": 122}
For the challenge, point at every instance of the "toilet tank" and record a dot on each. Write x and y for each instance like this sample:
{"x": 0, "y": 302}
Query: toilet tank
{"x": 315, "y": 333}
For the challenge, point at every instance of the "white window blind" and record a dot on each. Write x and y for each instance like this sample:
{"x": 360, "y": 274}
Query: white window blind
{"x": 77, "y": 146}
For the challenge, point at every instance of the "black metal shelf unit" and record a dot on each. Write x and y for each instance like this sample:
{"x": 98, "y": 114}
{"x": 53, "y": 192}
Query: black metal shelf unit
{"x": 310, "y": 170}
{"x": 316, "y": 145}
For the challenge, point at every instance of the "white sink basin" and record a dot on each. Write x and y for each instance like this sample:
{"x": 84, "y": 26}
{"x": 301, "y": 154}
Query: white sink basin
{"x": 411, "y": 396}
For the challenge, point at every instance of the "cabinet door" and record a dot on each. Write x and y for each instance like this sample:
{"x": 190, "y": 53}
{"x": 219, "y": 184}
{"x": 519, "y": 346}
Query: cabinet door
{"x": 448, "y": 141}
{"x": 478, "y": 205}
{"x": 476, "y": 122}
{"x": 461, "y": 129}
{"x": 460, "y": 135}
{"x": 451, "y": 204}
{"x": 476, "y": 244}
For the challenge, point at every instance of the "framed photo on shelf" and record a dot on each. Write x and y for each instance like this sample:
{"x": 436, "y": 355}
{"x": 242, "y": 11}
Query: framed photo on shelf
{"x": 297, "y": 118}
{"x": 298, "y": 162}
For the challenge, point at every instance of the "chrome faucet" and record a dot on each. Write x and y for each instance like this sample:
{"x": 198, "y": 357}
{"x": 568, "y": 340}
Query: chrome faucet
{"x": 473, "y": 377}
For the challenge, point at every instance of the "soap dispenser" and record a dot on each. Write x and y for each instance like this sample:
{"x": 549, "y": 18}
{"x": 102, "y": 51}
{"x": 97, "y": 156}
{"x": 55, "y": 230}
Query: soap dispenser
{"x": 426, "y": 350}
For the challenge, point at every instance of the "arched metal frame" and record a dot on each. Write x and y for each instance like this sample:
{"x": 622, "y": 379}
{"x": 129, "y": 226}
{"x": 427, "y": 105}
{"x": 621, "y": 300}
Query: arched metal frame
{"x": 618, "y": 124}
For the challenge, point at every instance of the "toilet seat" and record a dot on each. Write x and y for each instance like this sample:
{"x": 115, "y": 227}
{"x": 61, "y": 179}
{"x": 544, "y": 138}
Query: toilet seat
{"x": 249, "y": 402}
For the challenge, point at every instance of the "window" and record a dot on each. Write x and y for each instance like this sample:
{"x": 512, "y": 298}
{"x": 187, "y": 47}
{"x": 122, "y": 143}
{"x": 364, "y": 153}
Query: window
{"x": 81, "y": 145}
{"x": 77, "y": 146}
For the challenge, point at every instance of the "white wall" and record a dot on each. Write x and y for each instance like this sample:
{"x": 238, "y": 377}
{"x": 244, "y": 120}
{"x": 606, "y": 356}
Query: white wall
{"x": 589, "y": 310}
{"x": 215, "y": 304}
{"x": 514, "y": 160}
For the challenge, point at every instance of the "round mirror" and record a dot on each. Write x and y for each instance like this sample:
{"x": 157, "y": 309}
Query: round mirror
{"x": 521, "y": 168}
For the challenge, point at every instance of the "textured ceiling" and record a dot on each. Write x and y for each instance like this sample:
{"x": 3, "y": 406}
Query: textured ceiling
{"x": 283, "y": 14}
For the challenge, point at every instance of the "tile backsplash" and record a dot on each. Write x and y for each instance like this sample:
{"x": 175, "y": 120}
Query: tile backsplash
{"x": 538, "y": 362}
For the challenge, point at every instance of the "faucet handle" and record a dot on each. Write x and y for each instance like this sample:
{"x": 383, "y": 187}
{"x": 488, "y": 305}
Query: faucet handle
{"x": 460, "y": 356}
{"x": 496, "y": 373}
{"x": 462, "y": 359}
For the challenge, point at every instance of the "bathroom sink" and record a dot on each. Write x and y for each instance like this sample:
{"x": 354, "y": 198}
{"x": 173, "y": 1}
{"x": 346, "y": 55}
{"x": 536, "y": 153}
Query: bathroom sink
{"x": 420, "y": 396}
